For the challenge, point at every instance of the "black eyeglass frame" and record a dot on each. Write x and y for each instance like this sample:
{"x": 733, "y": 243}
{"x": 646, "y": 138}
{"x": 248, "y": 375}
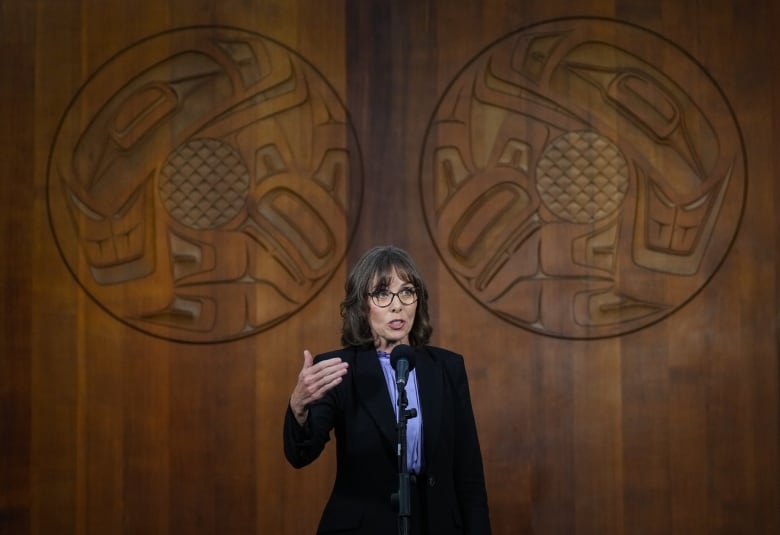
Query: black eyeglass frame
{"x": 412, "y": 291}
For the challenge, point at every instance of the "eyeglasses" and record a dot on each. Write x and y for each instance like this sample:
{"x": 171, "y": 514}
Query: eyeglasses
{"x": 383, "y": 298}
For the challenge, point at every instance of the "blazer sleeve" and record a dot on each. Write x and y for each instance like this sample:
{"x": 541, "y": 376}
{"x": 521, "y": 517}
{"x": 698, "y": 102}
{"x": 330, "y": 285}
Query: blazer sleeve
{"x": 303, "y": 444}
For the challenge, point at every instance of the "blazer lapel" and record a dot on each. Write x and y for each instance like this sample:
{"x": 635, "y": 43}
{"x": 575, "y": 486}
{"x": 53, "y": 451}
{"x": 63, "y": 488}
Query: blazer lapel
{"x": 429, "y": 383}
{"x": 372, "y": 391}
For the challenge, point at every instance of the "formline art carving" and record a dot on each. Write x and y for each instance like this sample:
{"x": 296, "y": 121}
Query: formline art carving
{"x": 580, "y": 178}
{"x": 583, "y": 178}
{"x": 204, "y": 184}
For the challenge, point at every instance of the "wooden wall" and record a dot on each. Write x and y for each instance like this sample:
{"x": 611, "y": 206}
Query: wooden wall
{"x": 623, "y": 363}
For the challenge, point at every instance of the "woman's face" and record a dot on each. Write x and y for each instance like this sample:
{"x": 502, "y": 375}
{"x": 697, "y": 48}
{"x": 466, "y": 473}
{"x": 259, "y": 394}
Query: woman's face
{"x": 391, "y": 325}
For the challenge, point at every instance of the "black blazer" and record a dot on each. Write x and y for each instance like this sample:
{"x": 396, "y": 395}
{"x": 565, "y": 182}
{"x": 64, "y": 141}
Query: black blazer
{"x": 361, "y": 413}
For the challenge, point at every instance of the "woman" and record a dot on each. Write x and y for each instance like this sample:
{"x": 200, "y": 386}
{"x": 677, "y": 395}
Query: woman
{"x": 353, "y": 392}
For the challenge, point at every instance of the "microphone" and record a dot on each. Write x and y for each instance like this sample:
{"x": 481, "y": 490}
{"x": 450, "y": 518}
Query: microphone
{"x": 402, "y": 360}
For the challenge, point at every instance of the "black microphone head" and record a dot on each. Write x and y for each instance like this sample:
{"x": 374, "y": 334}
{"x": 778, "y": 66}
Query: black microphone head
{"x": 402, "y": 351}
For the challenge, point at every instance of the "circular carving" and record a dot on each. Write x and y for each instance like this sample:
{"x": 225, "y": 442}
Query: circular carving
{"x": 179, "y": 197}
{"x": 583, "y": 178}
{"x": 204, "y": 184}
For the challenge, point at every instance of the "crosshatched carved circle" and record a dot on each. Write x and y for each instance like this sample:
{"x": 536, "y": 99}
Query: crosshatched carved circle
{"x": 204, "y": 183}
{"x": 178, "y": 198}
{"x": 583, "y": 178}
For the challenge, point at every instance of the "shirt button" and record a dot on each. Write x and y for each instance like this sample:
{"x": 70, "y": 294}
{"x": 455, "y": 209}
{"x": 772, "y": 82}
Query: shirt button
{"x": 431, "y": 481}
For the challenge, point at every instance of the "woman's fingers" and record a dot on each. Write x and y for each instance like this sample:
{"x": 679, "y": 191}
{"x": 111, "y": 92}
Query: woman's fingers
{"x": 315, "y": 380}
{"x": 321, "y": 377}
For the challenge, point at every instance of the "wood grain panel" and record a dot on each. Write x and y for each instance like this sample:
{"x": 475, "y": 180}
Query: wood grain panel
{"x": 17, "y": 199}
{"x": 110, "y": 425}
{"x": 146, "y": 436}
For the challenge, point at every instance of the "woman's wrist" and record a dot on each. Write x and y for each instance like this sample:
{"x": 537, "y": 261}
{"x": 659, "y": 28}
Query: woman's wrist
{"x": 300, "y": 412}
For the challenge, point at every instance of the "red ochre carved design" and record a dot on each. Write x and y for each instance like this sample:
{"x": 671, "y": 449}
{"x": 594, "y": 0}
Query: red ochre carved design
{"x": 583, "y": 178}
{"x": 204, "y": 184}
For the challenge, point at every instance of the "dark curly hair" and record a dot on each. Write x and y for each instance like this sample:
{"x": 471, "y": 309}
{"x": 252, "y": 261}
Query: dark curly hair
{"x": 377, "y": 264}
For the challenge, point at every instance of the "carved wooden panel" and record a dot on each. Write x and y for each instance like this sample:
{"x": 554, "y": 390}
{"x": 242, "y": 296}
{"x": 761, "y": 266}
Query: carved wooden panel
{"x": 591, "y": 199}
{"x": 201, "y": 185}
{"x": 577, "y": 166}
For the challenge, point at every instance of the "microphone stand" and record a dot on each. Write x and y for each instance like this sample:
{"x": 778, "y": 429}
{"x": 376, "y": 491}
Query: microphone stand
{"x": 403, "y": 497}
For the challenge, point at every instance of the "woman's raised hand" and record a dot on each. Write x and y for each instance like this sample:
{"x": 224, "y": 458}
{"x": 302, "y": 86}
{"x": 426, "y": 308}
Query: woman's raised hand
{"x": 314, "y": 381}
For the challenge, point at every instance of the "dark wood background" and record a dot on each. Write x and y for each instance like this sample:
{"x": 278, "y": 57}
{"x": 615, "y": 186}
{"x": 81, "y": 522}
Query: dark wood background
{"x": 105, "y": 428}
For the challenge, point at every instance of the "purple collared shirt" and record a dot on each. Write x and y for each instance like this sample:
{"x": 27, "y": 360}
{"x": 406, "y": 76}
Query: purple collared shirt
{"x": 413, "y": 425}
